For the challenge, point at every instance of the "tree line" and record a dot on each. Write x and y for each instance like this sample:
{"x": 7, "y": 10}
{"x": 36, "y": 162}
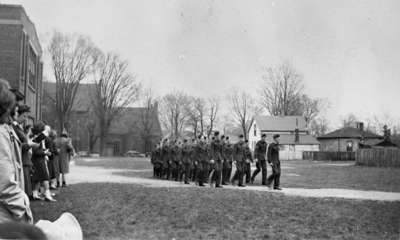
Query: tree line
{"x": 281, "y": 93}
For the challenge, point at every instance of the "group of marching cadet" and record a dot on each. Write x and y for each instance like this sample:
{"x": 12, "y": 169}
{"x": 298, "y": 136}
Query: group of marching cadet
{"x": 210, "y": 161}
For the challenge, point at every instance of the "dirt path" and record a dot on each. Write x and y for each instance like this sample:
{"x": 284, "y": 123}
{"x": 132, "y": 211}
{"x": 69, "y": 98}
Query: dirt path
{"x": 81, "y": 174}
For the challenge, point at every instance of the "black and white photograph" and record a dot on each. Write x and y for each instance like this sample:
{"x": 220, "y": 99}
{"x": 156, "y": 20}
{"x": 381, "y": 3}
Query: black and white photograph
{"x": 199, "y": 119}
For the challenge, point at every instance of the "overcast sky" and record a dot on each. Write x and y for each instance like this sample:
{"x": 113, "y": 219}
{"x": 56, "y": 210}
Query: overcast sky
{"x": 347, "y": 51}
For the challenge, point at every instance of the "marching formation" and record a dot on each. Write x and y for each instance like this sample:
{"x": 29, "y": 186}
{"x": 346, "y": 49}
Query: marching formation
{"x": 204, "y": 160}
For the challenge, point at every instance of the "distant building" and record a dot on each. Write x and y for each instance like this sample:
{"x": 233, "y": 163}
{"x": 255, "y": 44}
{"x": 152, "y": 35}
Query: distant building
{"x": 294, "y": 137}
{"x": 20, "y": 57}
{"x": 348, "y": 139}
{"x": 126, "y": 131}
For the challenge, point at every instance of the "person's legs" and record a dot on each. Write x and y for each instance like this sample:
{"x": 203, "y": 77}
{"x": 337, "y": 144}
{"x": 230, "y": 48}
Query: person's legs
{"x": 277, "y": 175}
{"x": 240, "y": 172}
{"x": 263, "y": 172}
{"x": 218, "y": 171}
{"x": 256, "y": 171}
{"x": 248, "y": 172}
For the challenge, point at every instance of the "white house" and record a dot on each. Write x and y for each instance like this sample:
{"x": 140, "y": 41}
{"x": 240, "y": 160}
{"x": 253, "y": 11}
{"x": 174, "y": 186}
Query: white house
{"x": 294, "y": 137}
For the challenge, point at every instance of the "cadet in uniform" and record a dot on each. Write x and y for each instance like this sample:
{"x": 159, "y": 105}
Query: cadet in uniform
{"x": 156, "y": 161}
{"x": 186, "y": 160}
{"x": 165, "y": 158}
{"x": 261, "y": 163}
{"x": 202, "y": 161}
{"x": 194, "y": 166}
{"x": 239, "y": 157}
{"x": 273, "y": 160}
{"x": 228, "y": 158}
{"x": 216, "y": 154}
{"x": 248, "y": 161}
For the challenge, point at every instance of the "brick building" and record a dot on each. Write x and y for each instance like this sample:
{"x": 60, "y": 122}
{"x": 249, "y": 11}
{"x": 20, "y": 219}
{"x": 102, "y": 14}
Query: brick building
{"x": 348, "y": 139}
{"x": 20, "y": 57}
{"x": 125, "y": 133}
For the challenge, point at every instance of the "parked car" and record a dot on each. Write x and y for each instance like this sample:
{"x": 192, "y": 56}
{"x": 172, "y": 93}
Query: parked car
{"x": 133, "y": 153}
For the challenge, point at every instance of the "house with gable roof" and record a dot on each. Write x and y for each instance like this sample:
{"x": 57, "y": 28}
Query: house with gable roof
{"x": 294, "y": 137}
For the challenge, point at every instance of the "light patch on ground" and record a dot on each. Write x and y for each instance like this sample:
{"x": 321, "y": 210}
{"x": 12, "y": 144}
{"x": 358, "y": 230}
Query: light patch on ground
{"x": 81, "y": 174}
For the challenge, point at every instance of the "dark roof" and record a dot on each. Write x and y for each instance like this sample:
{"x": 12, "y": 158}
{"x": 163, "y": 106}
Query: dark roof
{"x": 386, "y": 143}
{"x": 131, "y": 120}
{"x": 349, "y": 132}
{"x": 82, "y": 97}
{"x": 280, "y": 123}
{"x": 304, "y": 139}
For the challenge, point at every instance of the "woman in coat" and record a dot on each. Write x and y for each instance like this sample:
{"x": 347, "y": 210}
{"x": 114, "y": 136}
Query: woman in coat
{"x": 14, "y": 203}
{"x": 66, "y": 150}
{"x": 40, "y": 158}
{"x": 17, "y": 118}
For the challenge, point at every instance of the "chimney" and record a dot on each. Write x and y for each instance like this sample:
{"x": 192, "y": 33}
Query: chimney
{"x": 360, "y": 126}
{"x": 296, "y": 135}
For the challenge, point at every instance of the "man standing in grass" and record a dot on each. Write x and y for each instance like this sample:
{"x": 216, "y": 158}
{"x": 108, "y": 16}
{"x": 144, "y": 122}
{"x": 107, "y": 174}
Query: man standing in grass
{"x": 261, "y": 163}
{"x": 273, "y": 160}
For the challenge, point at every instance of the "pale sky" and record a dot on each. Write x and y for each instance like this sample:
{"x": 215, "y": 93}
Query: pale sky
{"x": 347, "y": 51}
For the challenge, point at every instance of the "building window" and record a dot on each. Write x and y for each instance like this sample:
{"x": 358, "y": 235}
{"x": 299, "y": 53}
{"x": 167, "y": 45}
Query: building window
{"x": 255, "y": 130}
{"x": 32, "y": 73}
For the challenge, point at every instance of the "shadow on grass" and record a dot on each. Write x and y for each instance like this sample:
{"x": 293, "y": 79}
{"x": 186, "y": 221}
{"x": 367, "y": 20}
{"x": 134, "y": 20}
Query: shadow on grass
{"x": 125, "y": 211}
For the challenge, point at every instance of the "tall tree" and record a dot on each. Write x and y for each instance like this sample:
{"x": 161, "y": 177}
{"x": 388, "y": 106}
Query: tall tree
{"x": 312, "y": 107}
{"x": 148, "y": 117}
{"x": 173, "y": 113}
{"x": 213, "y": 103}
{"x": 72, "y": 59}
{"x": 282, "y": 91}
{"x": 115, "y": 89}
{"x": 319, "y": 126}
{"x": 243, "y": 109}
{"x": 349, "y": 120}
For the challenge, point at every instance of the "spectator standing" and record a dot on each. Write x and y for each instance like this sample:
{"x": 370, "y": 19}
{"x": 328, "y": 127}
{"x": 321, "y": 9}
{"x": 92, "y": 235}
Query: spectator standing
{"x": 14, "y": 203}
{"x": 65, "y": 151}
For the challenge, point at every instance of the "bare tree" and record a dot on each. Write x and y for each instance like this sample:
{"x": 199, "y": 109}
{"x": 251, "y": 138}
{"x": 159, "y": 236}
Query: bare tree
{"x": 349, "y": 120}
{"x": 147, "y": 118}
{"x": 115, "y": 88}
{"x": 319, "y": 126}
{"x": 201, "y": 108}
{"x": 91, "y": 125}
{"x": 212, "y": 114}
{"x": 173, "y": 113}
{"x": 193, "y": 120}
{"x": 282, "y": 91}
{"x": 243, "y": 109}
{"x": 312, "y": 107}
{"x": 72, "y": 61}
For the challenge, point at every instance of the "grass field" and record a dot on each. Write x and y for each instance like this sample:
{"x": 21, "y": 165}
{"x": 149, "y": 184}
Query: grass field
{"x": 304, "y": 174}
{"x": 126, "y": 211}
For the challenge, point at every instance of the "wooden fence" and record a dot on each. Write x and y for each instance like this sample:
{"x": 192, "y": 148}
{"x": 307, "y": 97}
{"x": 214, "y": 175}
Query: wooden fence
{"x": 329, "y": 156}
{"x": 378, "y": 157}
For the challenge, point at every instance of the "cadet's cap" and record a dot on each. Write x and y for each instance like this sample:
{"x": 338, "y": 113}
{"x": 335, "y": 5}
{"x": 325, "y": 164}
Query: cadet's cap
{"x": 276, "y": 136}
{"x": 227, "y": 137}
{"x": 216, "y": 133}
{"x": 184, "y": 140}
{"x": 222, "y": 137}
{"x": 199, "y": 136}
{"x": 263, "y": 135}
{"x": 241, "y": 136}
{"x": 246, "y": 141}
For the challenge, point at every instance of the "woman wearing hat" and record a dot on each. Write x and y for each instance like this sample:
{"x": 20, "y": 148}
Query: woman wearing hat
{"x": 66, "y": 149}
{"x": 14, "y": 203}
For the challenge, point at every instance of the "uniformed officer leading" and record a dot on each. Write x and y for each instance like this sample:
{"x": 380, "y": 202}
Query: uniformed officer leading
{"x": 273, "y": 160}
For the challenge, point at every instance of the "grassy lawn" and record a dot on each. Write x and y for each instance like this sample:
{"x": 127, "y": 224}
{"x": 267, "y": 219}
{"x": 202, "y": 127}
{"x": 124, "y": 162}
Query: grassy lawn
{"x": 125, "y": 211}
{"x": 304, "y": 174}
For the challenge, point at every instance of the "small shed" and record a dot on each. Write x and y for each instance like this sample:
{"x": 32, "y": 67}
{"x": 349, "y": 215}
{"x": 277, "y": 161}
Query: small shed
{"x": 348, "y": 139}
